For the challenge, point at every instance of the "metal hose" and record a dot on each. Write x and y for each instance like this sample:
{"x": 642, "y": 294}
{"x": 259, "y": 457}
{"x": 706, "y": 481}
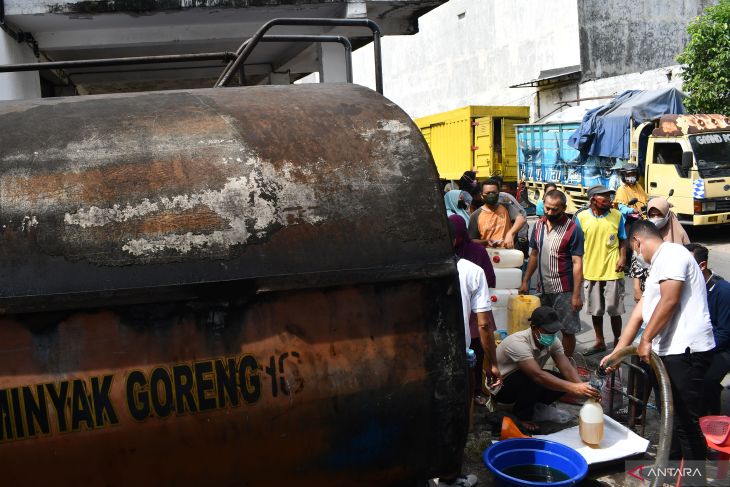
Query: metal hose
{"x": 667, "y": 410}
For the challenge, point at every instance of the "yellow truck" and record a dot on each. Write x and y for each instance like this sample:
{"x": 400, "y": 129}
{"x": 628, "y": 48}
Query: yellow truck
{"x": 475, "y": 138}
{"x": 684, "y": 158}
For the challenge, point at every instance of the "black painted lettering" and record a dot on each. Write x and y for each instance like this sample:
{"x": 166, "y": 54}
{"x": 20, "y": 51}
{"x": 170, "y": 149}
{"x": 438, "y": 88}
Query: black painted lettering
{"x": 80, "y": 406}
{"x": 225, "y": 376}
{"x": 161, "y": 387}
{"x": 103, "y": 408}
{"x": 271, "y": 371}
{"x": 58, "y": 399}
{"x": 36, "y": 411}
{"x": 204, "y": 385}
{"x": 138, "y": 397}
{"x": 184, "y": 398}
{"x": 17, "y": 413}
{"x": 6, "y": 422}
{"x": 249, "y": 380}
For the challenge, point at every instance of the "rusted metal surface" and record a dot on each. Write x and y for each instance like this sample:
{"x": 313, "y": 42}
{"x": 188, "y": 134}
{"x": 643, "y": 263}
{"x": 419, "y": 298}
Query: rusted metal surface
{"x": 351, "y": 385}
{"x": 679, "y": 125}
{"x": 225, "y": 287}
{"x": 137, "y": 197}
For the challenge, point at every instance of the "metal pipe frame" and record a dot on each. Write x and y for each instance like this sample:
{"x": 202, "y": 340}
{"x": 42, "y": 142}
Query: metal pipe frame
{"x": 319, "y": 38}
{"x": 244, "y": 51}
{"x": 92, "y": 63}
{"x": 174, "y": 58}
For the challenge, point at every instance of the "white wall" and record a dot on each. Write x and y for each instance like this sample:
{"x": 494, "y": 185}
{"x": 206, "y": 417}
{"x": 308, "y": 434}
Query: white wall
{"x": 454, "y": 62}
{"x": 17, "y": 86}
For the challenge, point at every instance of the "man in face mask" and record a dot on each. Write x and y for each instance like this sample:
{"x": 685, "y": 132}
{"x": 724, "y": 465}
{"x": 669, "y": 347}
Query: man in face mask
{"x": 604, "y": 231}
{"x": 678, "y": 329}
{"x": 521, "y": 358}
{"x": 491, "y": 225}
{"x": 557, "y": 255}
{"x": 630, "y": 189}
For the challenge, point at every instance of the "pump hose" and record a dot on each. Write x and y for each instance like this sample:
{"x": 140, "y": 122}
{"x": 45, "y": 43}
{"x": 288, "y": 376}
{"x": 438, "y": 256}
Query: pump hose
{"x": 667, "y": 410}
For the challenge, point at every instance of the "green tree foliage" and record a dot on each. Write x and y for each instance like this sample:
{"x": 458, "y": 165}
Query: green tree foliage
{"x": 707, "y": 61}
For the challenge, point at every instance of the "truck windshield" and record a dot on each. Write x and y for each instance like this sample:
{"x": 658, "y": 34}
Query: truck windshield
{"x": 712, "y": 153}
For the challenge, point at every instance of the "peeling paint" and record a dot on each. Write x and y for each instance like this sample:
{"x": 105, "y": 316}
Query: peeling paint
{"x": 249, "y": 204}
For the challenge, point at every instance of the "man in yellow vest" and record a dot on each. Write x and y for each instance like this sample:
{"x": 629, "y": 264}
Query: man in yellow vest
{"x": 630, "y": 189}
{"x": 604, "y": 257}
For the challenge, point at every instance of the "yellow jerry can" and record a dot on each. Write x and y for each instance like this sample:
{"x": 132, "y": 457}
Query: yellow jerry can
{"x": 519, "y": 310}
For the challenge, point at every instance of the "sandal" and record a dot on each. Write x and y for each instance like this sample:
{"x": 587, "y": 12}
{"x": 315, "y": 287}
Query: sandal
{"x": 594, "y": 350}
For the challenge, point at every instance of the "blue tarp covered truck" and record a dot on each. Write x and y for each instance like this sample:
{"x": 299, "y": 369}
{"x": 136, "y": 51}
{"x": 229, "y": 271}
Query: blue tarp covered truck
{"x": 685, "y": 156}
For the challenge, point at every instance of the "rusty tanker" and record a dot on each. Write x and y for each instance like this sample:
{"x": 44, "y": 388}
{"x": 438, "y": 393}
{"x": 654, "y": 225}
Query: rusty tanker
{"x": 225, "y": 287}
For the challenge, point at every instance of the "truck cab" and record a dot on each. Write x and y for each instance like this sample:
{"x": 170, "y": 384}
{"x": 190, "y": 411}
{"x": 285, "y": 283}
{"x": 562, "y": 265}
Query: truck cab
{"x": 688, "y": 162}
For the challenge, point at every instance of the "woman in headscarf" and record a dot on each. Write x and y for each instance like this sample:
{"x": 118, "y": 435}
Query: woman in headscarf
{"x": 658, "y": 212}
{"x": 457, "y": 203}
{"x": 473, "y": 252}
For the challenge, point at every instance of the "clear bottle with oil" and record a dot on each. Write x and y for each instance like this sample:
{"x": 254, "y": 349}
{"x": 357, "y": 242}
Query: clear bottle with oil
{"x": 590, "y": 422}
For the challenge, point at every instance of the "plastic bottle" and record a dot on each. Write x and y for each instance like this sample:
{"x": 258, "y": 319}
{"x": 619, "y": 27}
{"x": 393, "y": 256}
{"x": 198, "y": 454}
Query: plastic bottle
{"x": 590, "y": 423}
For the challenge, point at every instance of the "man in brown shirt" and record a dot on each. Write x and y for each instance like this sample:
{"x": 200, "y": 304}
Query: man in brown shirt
{"x": 491, "y": 225}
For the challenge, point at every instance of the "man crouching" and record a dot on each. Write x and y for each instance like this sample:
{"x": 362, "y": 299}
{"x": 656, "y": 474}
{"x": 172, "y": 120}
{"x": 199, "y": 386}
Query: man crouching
{"x": 521, "y": 358}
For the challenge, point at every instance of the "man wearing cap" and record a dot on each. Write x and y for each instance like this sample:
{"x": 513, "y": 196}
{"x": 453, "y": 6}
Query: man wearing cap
{"x": 630, "y": 189}
{"x": 615, "y": 180}
{"x": 604, "y": 257}
{"x": 521, "y": 358}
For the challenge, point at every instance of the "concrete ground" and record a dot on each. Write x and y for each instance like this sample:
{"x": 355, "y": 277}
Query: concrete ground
{"x": 718, "y": 242}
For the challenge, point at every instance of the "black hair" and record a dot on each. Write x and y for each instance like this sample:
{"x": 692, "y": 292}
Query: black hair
{"x": 645, "y": 228}
{"x": 466, "y": 180}
{"x": 490, "y": 182}
{"x": 550, "y": 185}
{"x": 498, "y": 179}
{"x": 700, "y": 251}
{"x": 556, "y": 194}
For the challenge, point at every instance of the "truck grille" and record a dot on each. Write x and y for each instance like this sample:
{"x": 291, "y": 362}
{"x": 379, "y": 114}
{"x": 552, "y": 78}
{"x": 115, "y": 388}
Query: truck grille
{"x": 722, "y": 205}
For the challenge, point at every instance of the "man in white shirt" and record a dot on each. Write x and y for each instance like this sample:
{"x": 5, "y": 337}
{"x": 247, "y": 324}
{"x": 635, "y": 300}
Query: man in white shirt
{"x": 678, "y": 329}
{"x": 474, "y": 299}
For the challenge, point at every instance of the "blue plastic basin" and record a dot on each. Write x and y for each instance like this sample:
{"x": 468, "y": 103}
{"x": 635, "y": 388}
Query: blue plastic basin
{"x": 532, "y": 451}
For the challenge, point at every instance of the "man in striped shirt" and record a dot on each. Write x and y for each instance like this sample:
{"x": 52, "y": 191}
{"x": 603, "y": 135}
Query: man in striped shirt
{"x": 557, "y": 255}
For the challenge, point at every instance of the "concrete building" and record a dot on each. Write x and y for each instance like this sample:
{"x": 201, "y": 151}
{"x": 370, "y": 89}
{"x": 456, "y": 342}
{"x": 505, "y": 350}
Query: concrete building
{"x": 532, "y": 52}
{"x": 58, "y": 30}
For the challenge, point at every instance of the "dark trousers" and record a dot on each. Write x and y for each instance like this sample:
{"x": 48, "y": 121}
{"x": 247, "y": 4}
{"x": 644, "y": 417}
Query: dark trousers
{"x": 524, "y": 392}
{"x": 687, "y": 375}
{"x": 719, "y": 367}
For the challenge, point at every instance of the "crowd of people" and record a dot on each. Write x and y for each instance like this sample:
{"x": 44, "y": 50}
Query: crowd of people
{"x": 681, "y": 313}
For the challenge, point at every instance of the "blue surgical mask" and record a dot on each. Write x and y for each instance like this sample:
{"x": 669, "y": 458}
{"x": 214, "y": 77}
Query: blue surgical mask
{"x": 545, "y": 339}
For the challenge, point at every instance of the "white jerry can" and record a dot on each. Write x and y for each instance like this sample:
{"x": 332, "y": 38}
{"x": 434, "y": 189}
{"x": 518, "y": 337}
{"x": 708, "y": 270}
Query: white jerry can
{"x": 501, "y": 317}
{"x": 504, "y": 258}
{"x": 500, "y": 297}
{"x": 508, "y": 278}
